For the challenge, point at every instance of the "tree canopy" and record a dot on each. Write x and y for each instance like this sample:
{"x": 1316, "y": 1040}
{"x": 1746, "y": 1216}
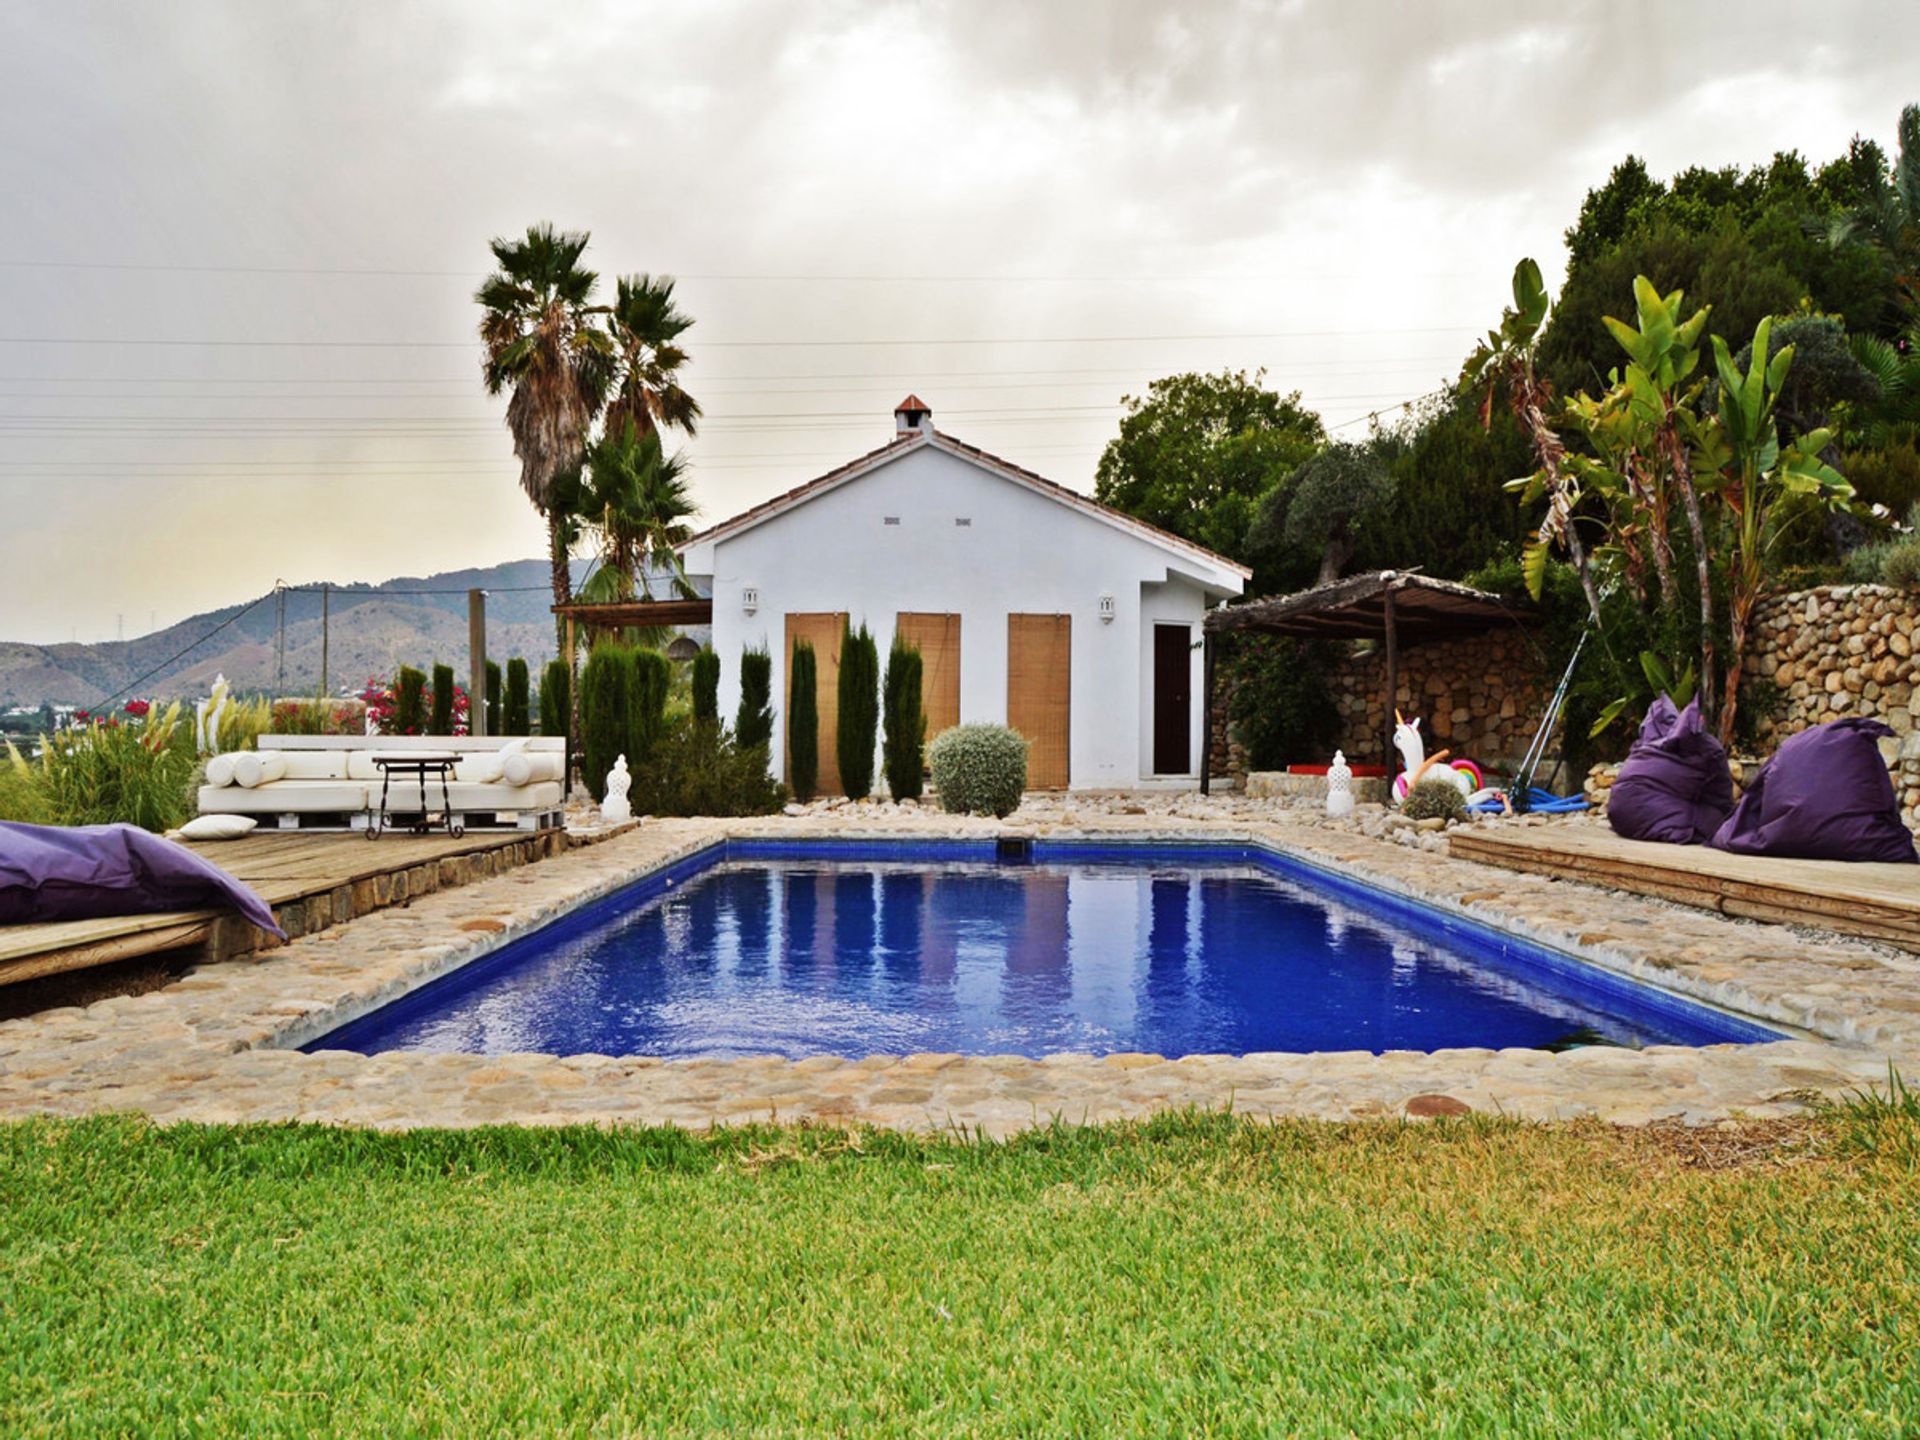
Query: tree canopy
{"x": 1197, "y": 454}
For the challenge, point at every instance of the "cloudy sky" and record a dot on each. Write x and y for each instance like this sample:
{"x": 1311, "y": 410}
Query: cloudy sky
{"x": 241, "y": 239}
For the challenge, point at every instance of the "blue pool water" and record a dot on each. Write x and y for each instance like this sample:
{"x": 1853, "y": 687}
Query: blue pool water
{"x": 801, "y": 950}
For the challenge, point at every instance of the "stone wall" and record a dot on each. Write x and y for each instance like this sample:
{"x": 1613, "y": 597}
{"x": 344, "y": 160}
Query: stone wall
{"x": 1479, "y": 696}
{"x": 1816, "y": 655}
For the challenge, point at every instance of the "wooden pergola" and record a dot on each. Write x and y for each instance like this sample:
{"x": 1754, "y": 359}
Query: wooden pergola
{"x": 635, "y": 614}
{"x": 1387, "y": 605}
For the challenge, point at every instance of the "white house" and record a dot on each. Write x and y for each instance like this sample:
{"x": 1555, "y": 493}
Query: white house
{"x": 1032, "y": 604}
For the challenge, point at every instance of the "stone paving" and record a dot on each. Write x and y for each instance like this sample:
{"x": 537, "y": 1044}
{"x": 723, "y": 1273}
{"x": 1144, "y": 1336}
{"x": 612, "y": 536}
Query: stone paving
{"x": 219, "y": 1045}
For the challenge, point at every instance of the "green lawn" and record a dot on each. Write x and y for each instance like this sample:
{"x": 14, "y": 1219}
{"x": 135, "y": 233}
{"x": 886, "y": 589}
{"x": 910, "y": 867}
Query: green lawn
{"x": 1192, "y": 1276}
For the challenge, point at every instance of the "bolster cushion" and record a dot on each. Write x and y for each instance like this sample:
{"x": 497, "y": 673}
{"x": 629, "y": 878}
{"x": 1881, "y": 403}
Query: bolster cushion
{"x": 220, "y": 770}
{"x": 259, "y": 767}
{"x": 521, "y": 768}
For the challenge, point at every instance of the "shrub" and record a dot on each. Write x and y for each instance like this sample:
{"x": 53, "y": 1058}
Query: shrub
{"x": 606, "y": 708}
{"x": 904, "y": 730}
{"x": 803, "y": 724}
{"x": 556, "y": 698}
{"x": 701, "y": 769}
{"x": 1434, "y": 799}
{"x": 979, "y": 769}
{"x": 706, "y": 687}
{"x": 652, "y": 679}
{"x": 514, "y": 716}
{"x": 1890, "y": 562}
{"x": 494, "y": 689}
{"x": 1281, "y": 703}
{"x": 409, "y": 702}
{"x": 754, "y": 723}
{"x": 1889, "y": 476}
{"x": 136, "y": 768}
{"x": 442, "y": 699}
{"x": 318, "y": 716}
{"x": 859, "y": 718}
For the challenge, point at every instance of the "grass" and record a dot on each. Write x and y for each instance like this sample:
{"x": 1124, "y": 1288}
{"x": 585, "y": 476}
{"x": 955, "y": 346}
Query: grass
{"x": 1194, "y": 1275}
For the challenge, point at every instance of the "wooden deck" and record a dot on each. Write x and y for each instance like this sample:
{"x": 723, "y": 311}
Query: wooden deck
{"x": 311, "y": 881}
{"x": 1881, "y": 902}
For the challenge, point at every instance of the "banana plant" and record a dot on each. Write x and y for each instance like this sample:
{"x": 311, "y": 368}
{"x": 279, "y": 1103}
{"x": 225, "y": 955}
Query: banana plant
{"x": 1738, "y": 454}
{"x": 1508, "y": 358}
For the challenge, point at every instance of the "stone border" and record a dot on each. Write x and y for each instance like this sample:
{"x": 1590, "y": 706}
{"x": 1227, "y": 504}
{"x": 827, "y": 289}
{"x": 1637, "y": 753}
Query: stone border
{"x": 218, "y": 1045}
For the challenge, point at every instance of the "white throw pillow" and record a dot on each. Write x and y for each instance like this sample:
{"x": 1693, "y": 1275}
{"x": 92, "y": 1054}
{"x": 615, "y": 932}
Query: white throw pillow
{"x": 216, "y": 827}
{"x": 220, "y": 770}
{"x": 486, "y": 769}
{"x": 258, "y": 767}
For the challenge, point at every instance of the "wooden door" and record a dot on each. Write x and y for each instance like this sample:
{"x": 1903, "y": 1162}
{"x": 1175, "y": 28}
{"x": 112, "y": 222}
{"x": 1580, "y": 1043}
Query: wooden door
{"x": 1040, "y": 694}
{"x": 823, "y": 632}
{"x": 937, "y": 638}
{"x": 1172, "y": 700}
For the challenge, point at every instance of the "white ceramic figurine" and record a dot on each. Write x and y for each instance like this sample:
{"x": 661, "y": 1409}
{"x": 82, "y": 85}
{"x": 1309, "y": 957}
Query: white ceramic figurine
{"x": 1339, "y": 786}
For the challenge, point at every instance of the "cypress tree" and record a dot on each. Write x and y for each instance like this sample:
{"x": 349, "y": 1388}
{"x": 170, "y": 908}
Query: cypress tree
{"x": 652, "y": 679}
{"x": 706, "y": 689}
{"x": 514, "y": 719}
{"x": 754, "y": 723}
{"x": 606, "y": 709}
{"x": 409, "y": 704}
{"x": 556, "y": 698}
{"x": 442, "y": 700}
{"x": 859, "y": 712}
{"x": 904, "y": 727}
{"x": 803, "y": 725}
{"x": 493, "y": 699}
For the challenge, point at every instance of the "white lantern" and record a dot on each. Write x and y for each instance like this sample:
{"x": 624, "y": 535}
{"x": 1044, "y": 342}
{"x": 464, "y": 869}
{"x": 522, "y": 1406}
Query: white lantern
{"x": 616, "y": 809}
{"x": 1339, "y": 786}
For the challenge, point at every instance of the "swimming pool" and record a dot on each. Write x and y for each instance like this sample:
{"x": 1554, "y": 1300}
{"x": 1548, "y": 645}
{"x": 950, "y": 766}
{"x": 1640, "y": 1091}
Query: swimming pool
{"x": 806, "y": 948}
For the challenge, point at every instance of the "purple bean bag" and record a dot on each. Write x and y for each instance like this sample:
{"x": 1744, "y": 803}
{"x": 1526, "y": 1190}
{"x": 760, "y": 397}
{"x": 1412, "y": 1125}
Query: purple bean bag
{"x": 89, "y": 872}
{"x": 1825, "y": 795}
{"x": 1674, "y": 786}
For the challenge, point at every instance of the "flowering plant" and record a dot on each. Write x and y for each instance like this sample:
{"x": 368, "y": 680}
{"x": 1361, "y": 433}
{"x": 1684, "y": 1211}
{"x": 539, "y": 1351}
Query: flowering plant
{"x": 382, "y": 699}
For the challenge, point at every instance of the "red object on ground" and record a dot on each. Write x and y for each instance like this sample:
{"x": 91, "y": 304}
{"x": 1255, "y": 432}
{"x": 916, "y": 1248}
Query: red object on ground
{"x": 1375, "y": 772}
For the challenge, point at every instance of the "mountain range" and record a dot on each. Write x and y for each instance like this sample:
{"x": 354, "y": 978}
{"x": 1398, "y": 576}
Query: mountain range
{"x": 413, "y": 620}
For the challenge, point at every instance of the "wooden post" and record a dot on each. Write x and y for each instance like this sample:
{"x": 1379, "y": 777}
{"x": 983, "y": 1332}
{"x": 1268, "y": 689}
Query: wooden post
{"x": 1393, "y": 681}
{"x": 476, "y": 662}
{"x": 1206, "y": 713}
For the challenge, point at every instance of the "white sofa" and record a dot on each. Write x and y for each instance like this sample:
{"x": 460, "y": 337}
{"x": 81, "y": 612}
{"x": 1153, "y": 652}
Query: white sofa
{"x": 330, "y": 782}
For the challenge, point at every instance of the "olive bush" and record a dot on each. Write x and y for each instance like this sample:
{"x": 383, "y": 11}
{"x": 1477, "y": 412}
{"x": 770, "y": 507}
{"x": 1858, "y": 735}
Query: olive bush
{"x": 979, "y": 769}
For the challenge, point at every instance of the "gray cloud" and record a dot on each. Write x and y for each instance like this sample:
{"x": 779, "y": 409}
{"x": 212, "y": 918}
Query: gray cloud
{"x": 1127, "y": 169}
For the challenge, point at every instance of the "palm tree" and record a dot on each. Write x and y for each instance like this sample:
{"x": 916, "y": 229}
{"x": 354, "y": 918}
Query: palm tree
{"x": 635, "y": 497}
{"x": 542, "y": 343}
{"x": 646, "y": 327}
{"x": 1889, "y": 218}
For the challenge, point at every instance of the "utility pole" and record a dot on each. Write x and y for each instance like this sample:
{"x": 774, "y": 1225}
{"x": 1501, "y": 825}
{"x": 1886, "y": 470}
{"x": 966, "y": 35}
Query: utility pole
{"x": 279, "y": 639}
{"x": 326, "y": 607}
{"x": 476, "y": 662}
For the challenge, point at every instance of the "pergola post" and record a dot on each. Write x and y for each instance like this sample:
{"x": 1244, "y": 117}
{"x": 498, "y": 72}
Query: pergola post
{"x": 1393, "y": 678}
{"x": 1206, "y": 723}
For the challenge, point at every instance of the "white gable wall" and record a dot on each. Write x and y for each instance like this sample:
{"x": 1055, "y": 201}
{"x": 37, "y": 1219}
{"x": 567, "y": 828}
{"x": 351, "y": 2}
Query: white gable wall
{"x": 1021, "y": 552}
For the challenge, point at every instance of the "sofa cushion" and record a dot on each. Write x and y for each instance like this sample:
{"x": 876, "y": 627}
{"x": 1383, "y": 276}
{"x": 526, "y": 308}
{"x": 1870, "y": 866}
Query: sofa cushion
{"x": 259, "y": 767}
{"x": 214, "y": 827}
{"x": 307, "y": 797}
{"x": 315, "y": 764}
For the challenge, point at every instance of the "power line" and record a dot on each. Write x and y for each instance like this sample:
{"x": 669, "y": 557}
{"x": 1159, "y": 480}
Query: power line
{"x": 139, "y": 680}
{"x": 1345, "y": 332}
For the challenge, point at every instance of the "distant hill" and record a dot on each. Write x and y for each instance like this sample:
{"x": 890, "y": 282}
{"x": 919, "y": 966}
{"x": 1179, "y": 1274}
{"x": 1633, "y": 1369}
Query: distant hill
{"x": 373, "y": 629}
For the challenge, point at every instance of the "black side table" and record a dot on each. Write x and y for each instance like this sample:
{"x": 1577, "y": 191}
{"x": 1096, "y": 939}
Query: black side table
{"x": 417, "y": 766}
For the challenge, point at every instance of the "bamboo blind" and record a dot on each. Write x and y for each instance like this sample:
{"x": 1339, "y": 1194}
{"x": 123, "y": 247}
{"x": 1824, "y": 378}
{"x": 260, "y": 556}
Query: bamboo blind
{"x": 1039, "y": 693}
{"x": 937, "y": 638}
{"x": 823, "y": 632}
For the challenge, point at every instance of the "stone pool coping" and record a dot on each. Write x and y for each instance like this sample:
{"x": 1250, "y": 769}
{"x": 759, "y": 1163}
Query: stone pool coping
{"x": 219, "y": 1044}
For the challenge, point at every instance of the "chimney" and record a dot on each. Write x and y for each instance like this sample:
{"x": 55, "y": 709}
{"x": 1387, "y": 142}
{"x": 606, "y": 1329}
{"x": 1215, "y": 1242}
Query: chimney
{"x": 912, "y": 414}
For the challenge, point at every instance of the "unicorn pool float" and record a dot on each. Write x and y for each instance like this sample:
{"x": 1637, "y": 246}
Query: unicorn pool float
{"x": 1413, "y": 754}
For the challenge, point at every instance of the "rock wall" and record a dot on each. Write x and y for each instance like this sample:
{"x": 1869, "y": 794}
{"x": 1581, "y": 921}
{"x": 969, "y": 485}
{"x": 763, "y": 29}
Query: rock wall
{"x": 1816, "y": 655}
